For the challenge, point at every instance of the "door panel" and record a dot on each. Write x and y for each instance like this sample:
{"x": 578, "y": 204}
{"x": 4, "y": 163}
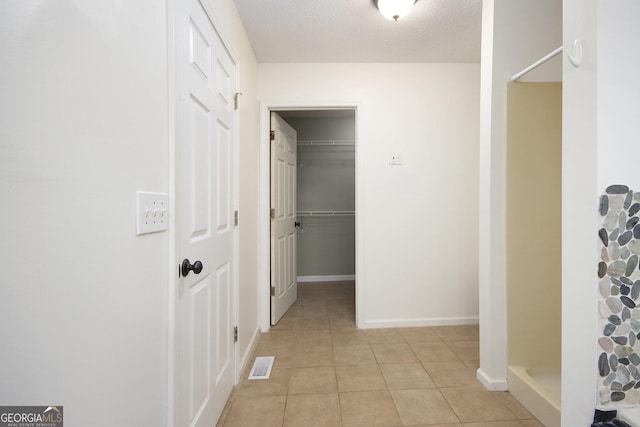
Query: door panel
{"x": 204, "y": 365}
{"x": 283, "y": 232}
{"x": 200, "y": 327}
{"x": 200, "y": 157}
{"x": 223, "y": 178}
{"x": 222, "y": 311}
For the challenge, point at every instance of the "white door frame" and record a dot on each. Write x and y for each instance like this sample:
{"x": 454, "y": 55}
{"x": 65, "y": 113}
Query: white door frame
{"x": 172, "y": 274}
{"x": 264, "y": 226}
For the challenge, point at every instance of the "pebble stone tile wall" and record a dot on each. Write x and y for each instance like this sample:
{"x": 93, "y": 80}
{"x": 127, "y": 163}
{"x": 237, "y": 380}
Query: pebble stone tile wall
{"x": 619, "y": 288}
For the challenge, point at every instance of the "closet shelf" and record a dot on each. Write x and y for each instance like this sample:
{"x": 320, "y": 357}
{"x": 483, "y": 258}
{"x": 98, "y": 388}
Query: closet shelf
{"x": 326, "y": 213}
{"x": 327, "y": 143}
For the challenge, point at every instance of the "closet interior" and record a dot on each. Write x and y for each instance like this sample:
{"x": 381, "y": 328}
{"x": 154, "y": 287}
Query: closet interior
{"x": 325, "y": 193}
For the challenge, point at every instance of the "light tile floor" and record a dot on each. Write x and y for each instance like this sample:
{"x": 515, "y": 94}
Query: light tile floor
{"x": 329, "y": 373}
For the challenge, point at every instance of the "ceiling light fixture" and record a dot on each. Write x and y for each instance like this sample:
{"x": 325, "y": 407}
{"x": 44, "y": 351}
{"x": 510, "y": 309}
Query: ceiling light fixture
{"x": 395, "y": 9}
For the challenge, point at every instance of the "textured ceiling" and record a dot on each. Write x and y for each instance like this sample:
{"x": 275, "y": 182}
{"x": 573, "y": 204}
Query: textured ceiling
{"x": 354, "y": 31}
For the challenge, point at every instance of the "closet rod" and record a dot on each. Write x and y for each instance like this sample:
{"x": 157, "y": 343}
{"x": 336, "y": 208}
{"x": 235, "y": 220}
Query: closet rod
{"x": 536, "y": 64}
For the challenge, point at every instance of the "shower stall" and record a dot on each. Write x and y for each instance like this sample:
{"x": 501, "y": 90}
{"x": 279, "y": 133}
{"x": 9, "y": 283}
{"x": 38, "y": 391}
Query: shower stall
{"x": 533, "y": 212}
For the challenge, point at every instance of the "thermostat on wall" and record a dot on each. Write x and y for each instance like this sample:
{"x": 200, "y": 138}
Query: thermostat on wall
{"x": 396, "y": 159}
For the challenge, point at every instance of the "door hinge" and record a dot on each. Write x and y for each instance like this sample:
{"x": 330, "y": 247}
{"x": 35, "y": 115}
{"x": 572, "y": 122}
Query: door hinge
{"x": 235, "y": 100}
{"x": 235, "y": 218}
{"x": 273, "y": 291}
{"x": 235, "y": 334}
{"x": 272, "y": 135}
{"x": 272, "y": 213}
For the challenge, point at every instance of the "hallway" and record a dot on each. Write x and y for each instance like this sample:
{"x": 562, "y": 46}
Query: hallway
{"x": 328, "y": 373}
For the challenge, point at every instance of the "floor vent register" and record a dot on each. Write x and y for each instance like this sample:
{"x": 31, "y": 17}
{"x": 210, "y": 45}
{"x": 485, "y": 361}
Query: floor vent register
{"x": 261, "y": 368}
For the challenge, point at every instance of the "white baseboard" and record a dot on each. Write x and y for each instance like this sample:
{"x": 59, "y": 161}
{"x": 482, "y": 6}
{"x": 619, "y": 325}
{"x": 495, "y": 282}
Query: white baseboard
{"x": 245, "y": 360}
{"x": 337, "y": 278}
{"x": 411, "y": 323}
{"x": 493, "y": 384}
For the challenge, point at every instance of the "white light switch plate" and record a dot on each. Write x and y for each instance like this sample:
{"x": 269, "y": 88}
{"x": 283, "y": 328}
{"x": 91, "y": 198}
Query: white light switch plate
{"x": 152, "y": 212}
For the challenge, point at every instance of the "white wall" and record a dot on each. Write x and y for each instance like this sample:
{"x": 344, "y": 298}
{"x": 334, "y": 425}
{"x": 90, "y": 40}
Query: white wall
{"x": 602, "y": 106}
{"x": 579, "y": 219}
{"x": 83, "y": 111}
{"x": 618, "y": 89}
{"x": 417, "y": 222}
{"x": 514, "y": 35}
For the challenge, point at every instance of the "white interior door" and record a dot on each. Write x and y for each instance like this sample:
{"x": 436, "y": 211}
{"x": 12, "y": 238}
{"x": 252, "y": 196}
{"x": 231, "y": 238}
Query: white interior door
{"x": 205, "y": 235}
{"x": 283, "y": 217}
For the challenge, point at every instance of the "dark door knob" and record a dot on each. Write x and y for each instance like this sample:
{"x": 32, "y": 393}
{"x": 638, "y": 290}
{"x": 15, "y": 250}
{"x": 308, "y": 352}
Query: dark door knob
{"x": 196, "y": 267}
{"x": 296, "y": 224}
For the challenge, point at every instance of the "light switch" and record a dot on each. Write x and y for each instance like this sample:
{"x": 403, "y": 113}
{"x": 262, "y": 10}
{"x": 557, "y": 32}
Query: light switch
{"x": 396, "y": 159}
{"x": 152, "y": 212}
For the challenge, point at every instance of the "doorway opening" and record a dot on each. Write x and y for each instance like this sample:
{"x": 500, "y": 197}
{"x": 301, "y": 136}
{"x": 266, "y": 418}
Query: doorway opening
{"x": 325, "y": 216}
